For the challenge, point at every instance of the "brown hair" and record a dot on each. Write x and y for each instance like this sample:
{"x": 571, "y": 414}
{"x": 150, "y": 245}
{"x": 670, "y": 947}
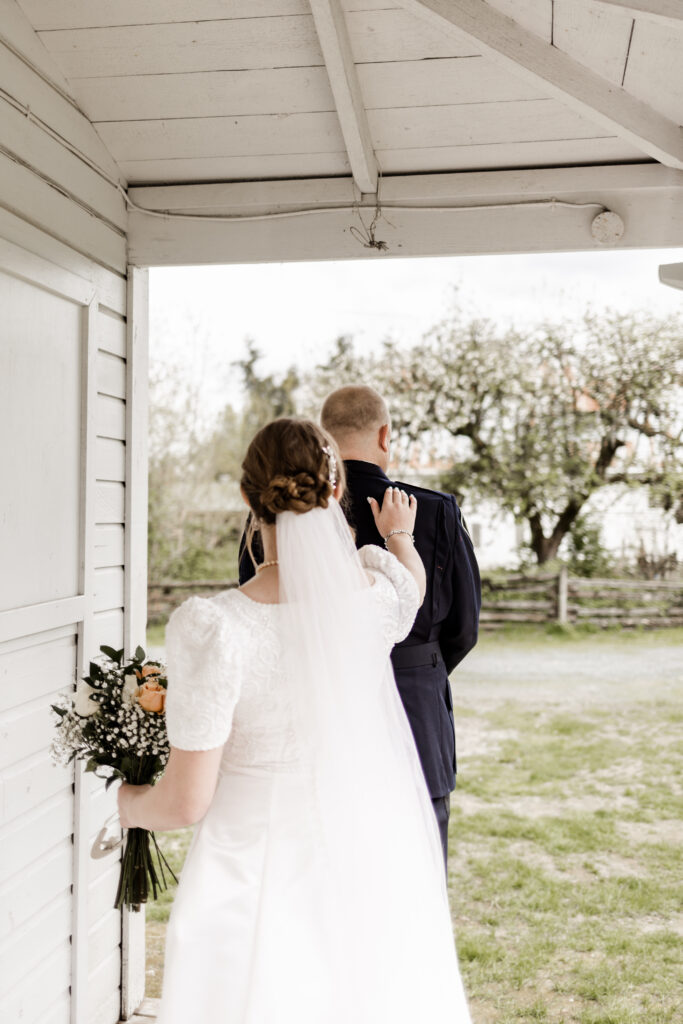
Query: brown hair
{"x": 286, "y": 470}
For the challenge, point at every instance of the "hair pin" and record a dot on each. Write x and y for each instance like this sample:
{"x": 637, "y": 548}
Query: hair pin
{"x": 332, "y": 459}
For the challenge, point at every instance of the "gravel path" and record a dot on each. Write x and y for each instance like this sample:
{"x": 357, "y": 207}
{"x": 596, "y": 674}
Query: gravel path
{"x": 570, "y": 675}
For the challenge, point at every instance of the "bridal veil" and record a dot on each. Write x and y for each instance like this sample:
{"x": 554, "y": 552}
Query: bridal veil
{"x": 387, "y": 933}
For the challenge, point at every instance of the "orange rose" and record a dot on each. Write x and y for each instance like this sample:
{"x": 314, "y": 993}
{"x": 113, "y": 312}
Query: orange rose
{"x": 151, "y": 696}
{"x": 151, "y": 670}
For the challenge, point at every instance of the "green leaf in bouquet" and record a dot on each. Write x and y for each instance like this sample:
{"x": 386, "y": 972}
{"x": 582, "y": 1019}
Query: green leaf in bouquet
{"x": 110, "y": 652}
{"x": 91, "y": 765}
{"x": 95, "y": 672}
{"x": 139, "y": 654}
{"x": 60, "y": 711}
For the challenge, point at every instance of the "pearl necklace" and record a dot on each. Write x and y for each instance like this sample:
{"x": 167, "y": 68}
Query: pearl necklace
{"x": 265, "y": 565}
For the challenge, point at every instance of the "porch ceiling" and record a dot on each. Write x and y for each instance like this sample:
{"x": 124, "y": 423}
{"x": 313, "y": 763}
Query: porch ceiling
{"x": 191, "y": 91}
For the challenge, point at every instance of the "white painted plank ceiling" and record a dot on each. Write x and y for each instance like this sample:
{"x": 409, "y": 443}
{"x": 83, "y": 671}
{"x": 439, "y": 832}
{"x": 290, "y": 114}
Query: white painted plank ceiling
{"x": 206, "y": 90}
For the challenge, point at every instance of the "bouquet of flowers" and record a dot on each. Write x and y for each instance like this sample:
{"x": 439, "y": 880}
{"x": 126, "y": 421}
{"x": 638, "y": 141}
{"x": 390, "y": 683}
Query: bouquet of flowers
{"x": 115, "y": 722}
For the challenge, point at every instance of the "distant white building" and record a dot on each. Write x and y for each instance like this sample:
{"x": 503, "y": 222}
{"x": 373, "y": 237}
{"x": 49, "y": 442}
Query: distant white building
{"x": 628, "y": 522}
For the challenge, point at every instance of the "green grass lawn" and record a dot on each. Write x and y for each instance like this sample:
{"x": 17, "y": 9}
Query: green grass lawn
{"x": 565, "y": 842}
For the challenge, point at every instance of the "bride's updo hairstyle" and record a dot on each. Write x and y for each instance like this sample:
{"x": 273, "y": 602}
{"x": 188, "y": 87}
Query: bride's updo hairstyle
{"x": 286, "y": 469}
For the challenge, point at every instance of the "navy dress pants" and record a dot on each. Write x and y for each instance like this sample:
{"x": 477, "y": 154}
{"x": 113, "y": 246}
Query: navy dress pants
{"x": 442, "y": 809}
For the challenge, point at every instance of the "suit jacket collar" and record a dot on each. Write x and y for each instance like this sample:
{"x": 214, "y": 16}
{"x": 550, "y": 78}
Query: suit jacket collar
{"x": 355, "y": 466}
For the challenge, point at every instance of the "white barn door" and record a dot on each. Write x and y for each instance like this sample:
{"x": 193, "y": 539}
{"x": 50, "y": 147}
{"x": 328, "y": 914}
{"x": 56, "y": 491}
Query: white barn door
{"x": 71, "y": 578}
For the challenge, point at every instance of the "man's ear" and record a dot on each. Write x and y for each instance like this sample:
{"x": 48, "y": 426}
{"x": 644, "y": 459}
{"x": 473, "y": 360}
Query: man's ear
{"x": 384, "y": 437}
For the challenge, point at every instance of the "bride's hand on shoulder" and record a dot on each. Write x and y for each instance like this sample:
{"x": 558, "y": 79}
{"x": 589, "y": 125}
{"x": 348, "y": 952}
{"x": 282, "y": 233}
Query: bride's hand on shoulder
{"x": 398, "y": 511}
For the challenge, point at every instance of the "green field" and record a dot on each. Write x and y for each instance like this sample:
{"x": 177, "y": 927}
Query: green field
{"x": 566, "y": 839}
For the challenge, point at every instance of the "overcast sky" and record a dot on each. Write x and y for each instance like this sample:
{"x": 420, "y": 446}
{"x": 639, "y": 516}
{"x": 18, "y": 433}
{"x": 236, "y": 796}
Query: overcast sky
{"x": 294, "y": 311}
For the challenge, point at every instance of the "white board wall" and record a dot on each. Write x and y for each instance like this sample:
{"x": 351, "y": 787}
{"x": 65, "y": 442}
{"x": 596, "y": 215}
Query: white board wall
{"x": 67, "y": 579}
{"x": 59, "y": 936}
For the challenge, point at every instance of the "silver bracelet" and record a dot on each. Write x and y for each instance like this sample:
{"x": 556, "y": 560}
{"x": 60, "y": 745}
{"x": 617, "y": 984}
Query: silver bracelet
{"x": 391, "y": 534}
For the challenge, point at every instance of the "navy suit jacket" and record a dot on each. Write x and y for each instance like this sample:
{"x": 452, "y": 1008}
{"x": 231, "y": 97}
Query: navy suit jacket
{"x": 446, "y": 625}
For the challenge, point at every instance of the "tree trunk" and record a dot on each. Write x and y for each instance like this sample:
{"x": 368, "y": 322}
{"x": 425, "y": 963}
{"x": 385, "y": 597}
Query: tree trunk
{"x": 546, "y": 548}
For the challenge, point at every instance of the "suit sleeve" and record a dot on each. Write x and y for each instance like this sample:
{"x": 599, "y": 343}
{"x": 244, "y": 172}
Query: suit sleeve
{"x": 460, "y": 628}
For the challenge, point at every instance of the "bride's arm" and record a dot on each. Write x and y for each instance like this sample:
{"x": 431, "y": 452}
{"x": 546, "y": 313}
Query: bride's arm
{"x": 398, "y": 513}
{"x": 180, "y": 798}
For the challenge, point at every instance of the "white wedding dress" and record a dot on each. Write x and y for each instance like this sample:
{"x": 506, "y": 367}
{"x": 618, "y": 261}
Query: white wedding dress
{"x": 246, "y": 941}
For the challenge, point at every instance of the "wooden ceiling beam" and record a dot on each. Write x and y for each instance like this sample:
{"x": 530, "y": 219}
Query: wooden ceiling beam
{"x": 459, "y": 214}
{"x": 502, "y": 39}
{"x": 668, "y": 11}
{"x": 332, "y": 32}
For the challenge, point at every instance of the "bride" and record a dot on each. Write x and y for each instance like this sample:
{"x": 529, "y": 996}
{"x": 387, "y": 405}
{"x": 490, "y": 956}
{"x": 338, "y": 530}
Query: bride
{"x": 313, "y": 889}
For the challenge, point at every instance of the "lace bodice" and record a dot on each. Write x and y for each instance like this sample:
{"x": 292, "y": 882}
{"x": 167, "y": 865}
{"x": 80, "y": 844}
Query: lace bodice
{"x": 225, "y": 681}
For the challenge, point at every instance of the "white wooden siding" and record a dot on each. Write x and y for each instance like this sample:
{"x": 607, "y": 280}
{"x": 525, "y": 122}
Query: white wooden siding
{"x": 110, "y": 288}
{"x": 109, "y": 545}
{"x": 110, "y": 459}
{"x": 110, "y": 499}
{"x": 48, "y": 985}
{"x": 111, "y": 331}
{"x": 45, "y": 879}
{"x": 63, "y": 352}
{"x": 72, "y": 196}
{"x": 108, "y": 628}
{"x": 51, "y": 362}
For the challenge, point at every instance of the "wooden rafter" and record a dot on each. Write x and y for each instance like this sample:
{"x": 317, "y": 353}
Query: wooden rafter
{"x": 502, "y": 39}
{"x": 668, "y": 11}
{"x": 330, "y": 25}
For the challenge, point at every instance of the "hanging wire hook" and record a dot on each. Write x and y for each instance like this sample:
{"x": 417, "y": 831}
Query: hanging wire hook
{"x": 366, "y": 234}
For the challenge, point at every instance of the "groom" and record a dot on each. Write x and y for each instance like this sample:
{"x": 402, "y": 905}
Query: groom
{"x": 446, "y": 625}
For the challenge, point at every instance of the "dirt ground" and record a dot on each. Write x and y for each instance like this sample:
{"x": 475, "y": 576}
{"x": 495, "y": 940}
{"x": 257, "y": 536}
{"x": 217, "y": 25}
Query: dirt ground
{"x": 583, "y": 673}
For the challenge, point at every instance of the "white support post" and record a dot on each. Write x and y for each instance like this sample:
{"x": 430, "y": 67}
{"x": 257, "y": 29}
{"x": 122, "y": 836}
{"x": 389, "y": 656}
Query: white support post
{"x": 79, "y": 925}
{"x": 135, "y": 586}
{"x": 505, "y": 41}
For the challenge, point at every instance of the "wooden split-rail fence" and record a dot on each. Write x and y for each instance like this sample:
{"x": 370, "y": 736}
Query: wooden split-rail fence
{"x": 543, "y": 597}
{"x": 570, "y": 600}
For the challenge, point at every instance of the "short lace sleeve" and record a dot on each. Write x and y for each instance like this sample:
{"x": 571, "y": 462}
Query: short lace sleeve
{"x": 397, "y": 590}
{"x": 203, "y": 676}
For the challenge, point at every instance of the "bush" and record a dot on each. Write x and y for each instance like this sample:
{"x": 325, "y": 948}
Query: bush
{"x": 586, "y": 553}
